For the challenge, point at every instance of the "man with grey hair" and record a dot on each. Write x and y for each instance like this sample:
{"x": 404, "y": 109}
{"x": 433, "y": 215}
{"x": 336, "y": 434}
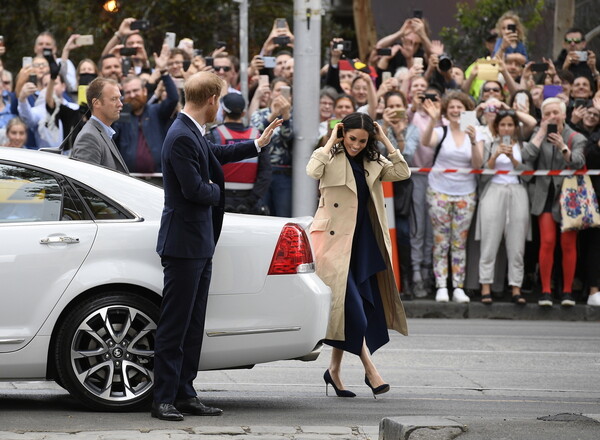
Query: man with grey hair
{"x": 555, "y": 146}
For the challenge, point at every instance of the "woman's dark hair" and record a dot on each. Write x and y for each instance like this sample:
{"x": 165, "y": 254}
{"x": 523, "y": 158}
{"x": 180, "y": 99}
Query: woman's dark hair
{"x": 529, "y": 99}
{"x": 363, "y": 121}
{"x": 501, "y": 114}
{"x": 400, "y": 95}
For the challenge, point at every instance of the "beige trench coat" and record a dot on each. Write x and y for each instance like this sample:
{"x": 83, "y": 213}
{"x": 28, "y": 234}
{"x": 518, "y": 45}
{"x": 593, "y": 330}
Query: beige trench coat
{"x": 333, "y": 228}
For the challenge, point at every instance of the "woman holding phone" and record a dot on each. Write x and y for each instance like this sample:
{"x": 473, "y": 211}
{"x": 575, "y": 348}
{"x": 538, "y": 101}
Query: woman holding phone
{"x": 352, "y": 244}
{"x": 503, "y": 207}
{"x": 451, "y": 197}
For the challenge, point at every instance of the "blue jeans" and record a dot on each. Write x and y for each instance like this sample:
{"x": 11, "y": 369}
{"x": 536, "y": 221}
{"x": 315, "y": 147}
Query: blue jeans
{"x": 279, "y": 196}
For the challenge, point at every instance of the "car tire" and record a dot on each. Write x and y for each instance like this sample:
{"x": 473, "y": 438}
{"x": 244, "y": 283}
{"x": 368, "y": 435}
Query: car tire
{"x": 105, "y": 351}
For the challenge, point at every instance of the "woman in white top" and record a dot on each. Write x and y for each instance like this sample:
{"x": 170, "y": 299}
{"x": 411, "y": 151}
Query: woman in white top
{"x": 503, "y": 207}
{"x": 451, "y": 196}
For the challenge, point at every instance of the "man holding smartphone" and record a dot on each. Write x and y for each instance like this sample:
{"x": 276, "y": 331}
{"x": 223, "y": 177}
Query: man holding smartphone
{"x": 128, "y": 35}
{"x": 279, "y": 195}
{"x": 46, "y": 40}
{"x": 141, "y": 136}
{"x": 575, "y": 58}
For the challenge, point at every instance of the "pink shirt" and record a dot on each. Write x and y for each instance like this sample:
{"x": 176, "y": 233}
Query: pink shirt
{"x": 423, "y": 157}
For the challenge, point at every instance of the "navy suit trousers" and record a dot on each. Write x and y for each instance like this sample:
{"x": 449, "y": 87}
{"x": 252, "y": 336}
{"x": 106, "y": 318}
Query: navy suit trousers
{"x": 181, "y": 327}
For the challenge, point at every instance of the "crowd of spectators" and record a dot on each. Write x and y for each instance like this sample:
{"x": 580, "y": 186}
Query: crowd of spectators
{"x": 457, "y": 233}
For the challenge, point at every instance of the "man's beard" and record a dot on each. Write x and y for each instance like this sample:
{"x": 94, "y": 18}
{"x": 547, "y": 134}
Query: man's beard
{"x": 137, "y": 103}
{"x": 211, "y": 114}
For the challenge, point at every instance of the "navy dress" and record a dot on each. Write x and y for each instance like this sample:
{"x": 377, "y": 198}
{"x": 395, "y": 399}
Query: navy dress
{"x": 363, "y": 310}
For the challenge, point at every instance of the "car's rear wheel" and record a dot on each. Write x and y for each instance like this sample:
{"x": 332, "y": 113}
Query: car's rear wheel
{"x": 105, "y": 351}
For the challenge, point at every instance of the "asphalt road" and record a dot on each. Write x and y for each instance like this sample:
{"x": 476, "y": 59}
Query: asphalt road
{"x": 488, "y": 374}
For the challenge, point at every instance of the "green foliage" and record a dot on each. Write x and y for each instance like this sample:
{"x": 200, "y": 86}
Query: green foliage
{"x": 465, "y": 41}
{"x": 205, "y": 21}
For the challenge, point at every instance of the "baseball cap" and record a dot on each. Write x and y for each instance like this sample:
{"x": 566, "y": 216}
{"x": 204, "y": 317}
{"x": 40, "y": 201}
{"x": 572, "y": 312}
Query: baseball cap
{"x": 233, "y": 103}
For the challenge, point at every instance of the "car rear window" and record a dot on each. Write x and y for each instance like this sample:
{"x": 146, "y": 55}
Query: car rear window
{"x": 101, "y": 208}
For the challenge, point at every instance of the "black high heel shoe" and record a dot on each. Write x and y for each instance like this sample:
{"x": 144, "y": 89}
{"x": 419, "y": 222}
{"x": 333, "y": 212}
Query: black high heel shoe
{"x": 340, "y": 393}
{"x": 379, "y": 390}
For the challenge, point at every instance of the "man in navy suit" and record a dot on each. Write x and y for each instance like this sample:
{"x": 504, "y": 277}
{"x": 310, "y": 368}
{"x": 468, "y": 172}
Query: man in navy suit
{"x": 190, "y": 227}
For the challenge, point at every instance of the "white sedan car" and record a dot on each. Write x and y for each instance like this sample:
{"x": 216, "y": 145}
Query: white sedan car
{"x": 81, "y": 283}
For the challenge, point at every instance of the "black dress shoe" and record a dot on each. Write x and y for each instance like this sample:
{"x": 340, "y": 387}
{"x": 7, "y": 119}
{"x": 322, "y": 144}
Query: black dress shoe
{"x": 166, "y": 411}
{"x": 195, "y": 407}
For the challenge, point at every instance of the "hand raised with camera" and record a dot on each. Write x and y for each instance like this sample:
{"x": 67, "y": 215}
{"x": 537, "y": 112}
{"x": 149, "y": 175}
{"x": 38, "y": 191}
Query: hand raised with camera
{"x": 389, "y": 85}
{"x": 71, "y": 43}
{"x": 54, "y": 66}
{"x": 336, "y": 53}
{"x": 256, "y": 65}
{"x": 591, "y": 61}
{"x": 418, "y": 27}
{"x": 391, "y": 119}
{"x": 471, "y": 132}
{"x": 28, "y": 89}
{"x": 556, "y": 140}
{"x": 577, "y": 114}
{"x": 125, "y": 28}
{"x": 280, "y": 107}
{"x": 504, "y": 149}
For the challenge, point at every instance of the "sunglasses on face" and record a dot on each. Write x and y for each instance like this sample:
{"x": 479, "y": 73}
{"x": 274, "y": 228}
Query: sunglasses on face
{"x": 223, "y": 68}
{"x": 503, "y": 113}
{"x": 573, "y": 40}
{"x": 491, "y": 89}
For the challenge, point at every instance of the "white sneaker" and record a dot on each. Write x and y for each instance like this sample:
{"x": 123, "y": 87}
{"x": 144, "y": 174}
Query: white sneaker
{"x": 441, "y": 295}
{"x": 459, "y": 296}
{"x": 594, "y": 299}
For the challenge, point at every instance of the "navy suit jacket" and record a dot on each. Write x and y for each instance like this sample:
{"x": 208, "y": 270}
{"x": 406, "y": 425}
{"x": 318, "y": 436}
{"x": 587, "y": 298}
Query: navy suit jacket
{"x": 193, "y": 213}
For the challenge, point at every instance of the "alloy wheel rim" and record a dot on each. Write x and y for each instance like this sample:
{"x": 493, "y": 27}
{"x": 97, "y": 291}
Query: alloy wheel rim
{"x": 112, "y": 353}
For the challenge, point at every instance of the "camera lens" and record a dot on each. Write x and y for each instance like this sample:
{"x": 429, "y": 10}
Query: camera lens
{"x": 445, "y": 63}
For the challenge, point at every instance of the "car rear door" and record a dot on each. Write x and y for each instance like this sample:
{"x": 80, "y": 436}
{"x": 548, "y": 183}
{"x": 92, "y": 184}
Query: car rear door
{"x": 45, "y": 235}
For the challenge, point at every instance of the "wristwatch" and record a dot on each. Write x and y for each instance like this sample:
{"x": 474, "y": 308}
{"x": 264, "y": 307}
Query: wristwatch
{"x": 564, "y": 150}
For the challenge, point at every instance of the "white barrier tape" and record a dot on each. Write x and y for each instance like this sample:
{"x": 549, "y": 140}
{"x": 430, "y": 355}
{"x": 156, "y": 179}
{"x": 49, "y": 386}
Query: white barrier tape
{"x": 505, "y": 172}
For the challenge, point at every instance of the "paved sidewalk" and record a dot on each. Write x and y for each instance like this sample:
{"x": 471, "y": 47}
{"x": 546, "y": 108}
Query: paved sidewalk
{"x": 428, "y": 308}
{"x": 211, "y": 433}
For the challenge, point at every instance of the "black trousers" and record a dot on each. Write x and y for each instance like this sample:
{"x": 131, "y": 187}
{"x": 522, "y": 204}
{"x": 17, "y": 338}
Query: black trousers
{"x": 180, "y": 327}
{"x": 589, "y": 260}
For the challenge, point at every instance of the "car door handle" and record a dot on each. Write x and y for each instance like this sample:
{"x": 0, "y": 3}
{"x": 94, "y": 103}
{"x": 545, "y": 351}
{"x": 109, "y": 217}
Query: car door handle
{"x": 61, "y": 239}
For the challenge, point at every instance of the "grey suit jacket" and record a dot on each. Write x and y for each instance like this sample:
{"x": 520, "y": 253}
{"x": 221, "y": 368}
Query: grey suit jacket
{"x": 94, "y": 146}
{"x": 547, "y": 157}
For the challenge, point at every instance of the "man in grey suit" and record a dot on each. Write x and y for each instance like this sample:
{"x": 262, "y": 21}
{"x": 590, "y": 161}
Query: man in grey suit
{"x": 94, "y": 142}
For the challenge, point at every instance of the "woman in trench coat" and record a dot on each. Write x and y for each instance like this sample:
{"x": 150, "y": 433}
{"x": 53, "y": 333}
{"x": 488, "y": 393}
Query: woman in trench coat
{"x": 352, "y": 244}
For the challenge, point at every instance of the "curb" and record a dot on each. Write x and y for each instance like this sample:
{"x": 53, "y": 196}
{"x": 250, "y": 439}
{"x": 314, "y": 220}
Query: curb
{"x": 499, "y": 310}
{"x": 419, "y": 427}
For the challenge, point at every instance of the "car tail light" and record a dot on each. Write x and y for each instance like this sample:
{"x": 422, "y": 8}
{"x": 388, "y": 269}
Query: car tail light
{"x": 292, "y": 253}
